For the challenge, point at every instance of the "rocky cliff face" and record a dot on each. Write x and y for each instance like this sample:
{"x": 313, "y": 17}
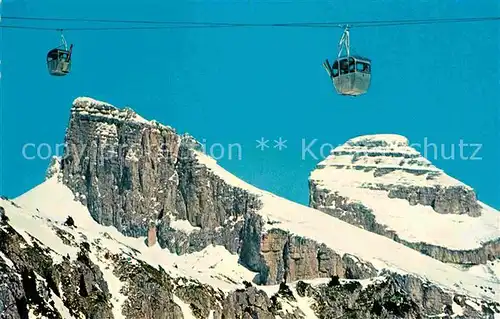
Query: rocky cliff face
{"x": 381, "y": 184}
{"x": 132, "y": 173}
{"x": 137, "y": 175}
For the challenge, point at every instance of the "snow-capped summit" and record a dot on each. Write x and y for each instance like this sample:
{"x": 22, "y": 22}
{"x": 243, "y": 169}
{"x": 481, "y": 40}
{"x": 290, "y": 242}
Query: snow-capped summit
{"x": 159, "y": 230}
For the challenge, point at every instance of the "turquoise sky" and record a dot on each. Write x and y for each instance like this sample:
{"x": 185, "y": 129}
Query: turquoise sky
{"x": 432, "y": 83}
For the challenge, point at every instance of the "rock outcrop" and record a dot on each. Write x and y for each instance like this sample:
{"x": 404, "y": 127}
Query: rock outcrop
{"x": 151, "y": 239}
{"x": 392, "y": 296}
{"x": 281, "y": 257}
{"x": 444, "y": 200}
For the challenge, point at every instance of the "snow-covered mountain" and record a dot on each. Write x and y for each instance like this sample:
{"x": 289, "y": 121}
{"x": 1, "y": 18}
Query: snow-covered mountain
{"x": 383, "y": 185}
{"x": 159, "y": 230}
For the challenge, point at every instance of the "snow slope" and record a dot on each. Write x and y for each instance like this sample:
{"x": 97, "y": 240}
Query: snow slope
{"x": 346, "y": 238}
{"x": 340, "y": 173}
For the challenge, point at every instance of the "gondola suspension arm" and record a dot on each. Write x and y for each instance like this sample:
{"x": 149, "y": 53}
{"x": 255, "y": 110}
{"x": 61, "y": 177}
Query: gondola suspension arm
{"x": 345, "y": 42}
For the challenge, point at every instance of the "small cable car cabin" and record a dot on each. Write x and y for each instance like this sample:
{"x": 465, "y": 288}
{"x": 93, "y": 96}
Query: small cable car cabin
{"x": 59, "y": 61}
{"x": 351, "y": 75}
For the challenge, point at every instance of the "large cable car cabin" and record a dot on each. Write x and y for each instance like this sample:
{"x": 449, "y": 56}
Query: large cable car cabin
{"x": 350, "y": 74}
{"x": 59, "y": 59}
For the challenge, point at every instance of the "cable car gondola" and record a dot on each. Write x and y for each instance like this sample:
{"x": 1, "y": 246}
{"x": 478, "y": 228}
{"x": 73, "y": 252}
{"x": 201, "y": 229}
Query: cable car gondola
{"x": 59, "y": 59}
{"x": 350, "y": 74}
